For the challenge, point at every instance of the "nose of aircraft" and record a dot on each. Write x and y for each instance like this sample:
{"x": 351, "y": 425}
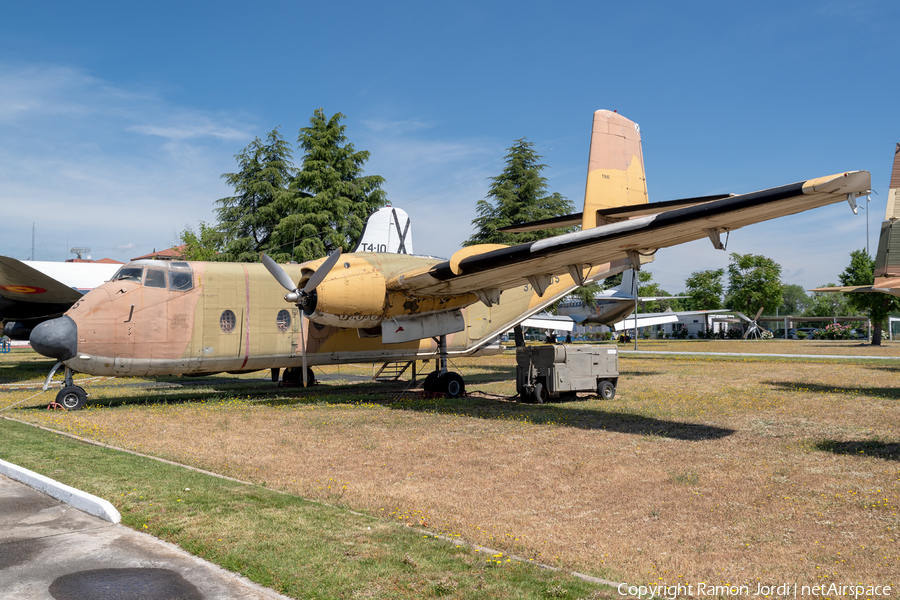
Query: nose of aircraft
{"x": 56, "y": 338}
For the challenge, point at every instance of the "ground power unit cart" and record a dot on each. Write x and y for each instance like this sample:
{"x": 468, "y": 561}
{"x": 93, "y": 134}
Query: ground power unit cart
{"x": 551, "y": 371}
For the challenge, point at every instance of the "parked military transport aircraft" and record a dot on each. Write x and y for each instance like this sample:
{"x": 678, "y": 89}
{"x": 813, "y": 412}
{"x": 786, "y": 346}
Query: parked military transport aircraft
{"x": 611, "y": 305}
{"x": 33, "y": 291}
{"x": 194, "y": 318}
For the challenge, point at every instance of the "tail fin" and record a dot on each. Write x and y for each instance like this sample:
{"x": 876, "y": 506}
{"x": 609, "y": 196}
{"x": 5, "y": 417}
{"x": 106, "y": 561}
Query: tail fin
{"x": 387, "y": 230}
{"x": 887, "y": 260}
{"x": 627, "y": 286}
{"x": 615, "y": 167}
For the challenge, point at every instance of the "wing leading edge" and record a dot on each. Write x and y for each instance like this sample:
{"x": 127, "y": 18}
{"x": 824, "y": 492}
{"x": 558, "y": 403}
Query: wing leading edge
{"x": 504, "y": 268}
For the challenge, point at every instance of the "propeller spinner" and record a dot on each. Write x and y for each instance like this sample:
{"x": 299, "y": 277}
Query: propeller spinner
{"x": 300, "y": 297}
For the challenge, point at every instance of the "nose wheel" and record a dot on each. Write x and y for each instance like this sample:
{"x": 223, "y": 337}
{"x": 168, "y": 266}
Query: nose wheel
{"x": 71, "y": 397}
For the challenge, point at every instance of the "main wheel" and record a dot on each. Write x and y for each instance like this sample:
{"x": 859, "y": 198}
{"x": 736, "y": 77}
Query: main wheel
{"x": 452, "y": 384}
{"x": 430, "y": 383}
{"x": 71, "y": 397}
{"x": 606, "y": 390}
{"x": 291, "y": 375}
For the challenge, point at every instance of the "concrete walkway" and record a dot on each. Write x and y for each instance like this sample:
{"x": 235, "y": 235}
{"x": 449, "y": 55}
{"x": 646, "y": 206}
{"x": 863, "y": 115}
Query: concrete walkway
{"x": 51, "y": 551}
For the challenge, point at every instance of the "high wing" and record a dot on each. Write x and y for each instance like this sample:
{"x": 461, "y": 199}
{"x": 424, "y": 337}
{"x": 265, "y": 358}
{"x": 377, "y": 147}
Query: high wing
{"x": 484, "y": 271}
{"x": 883, "y": 285}
{"x": 29, "y": 295}
{"x": 21, "y": 283}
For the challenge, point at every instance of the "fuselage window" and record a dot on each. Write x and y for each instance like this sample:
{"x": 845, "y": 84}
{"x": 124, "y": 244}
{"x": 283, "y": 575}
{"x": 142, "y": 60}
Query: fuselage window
{"x": 155, "y": 278}
{"x": 227, "y": 321}
{"x": 283, "y": 320}
{"x": 129, "y": 273}
{"x": 180, "y": 281}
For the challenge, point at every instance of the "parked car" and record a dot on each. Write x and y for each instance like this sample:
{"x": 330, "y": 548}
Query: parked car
{"x": 809, "y": 331}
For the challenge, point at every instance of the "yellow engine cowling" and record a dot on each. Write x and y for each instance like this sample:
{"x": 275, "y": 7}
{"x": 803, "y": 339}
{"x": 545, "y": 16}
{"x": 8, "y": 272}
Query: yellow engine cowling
{"x": 351, "y": 296}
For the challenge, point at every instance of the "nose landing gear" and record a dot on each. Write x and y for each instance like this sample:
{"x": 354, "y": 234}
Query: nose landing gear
{"x": 71, "y": 396}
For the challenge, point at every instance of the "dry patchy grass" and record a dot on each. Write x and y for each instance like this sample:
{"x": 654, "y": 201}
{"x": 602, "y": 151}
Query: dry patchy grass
{"x": 715, "y": 470}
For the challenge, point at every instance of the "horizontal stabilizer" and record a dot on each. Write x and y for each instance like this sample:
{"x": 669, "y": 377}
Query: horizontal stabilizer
{"x": 646, "y": 321}
{"x": 550, "y": 322}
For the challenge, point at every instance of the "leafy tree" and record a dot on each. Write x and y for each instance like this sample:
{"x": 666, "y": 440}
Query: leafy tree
{"x": 248, "y": 219}
{"x": 861, "y": 271}
{"x": 754, "y": 282}
{"x": 794, "y": 300}
{"x": 517, "y": 195}
{"x": 705, "y": 289}
{"x": 330, "y": 197}
{"x": 207, "y": 244}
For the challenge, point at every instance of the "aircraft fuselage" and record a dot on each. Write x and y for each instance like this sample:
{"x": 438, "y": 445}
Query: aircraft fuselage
{"x": 162, "y": 317}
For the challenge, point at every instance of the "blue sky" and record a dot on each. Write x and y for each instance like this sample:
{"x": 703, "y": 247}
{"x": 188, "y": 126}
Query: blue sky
{"x": 118, "y": 119}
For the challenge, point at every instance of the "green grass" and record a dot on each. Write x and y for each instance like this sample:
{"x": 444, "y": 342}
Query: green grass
{"x": 300, "y": 548}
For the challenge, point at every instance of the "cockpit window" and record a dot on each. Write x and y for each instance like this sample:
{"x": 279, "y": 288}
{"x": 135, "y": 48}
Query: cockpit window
{"x": 156, "y": 278}
{"x": 129, "y": 274}
{"x": 180, "y": 281}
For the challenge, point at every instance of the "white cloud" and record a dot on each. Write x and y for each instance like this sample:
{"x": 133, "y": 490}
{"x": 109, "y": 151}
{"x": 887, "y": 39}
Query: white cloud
{"x": 118, "y": 170}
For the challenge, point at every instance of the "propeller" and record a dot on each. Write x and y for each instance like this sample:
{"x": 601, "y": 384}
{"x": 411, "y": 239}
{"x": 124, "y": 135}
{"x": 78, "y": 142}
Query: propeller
{"x": 300, "y": 297}
{"x": 754, "y": 326}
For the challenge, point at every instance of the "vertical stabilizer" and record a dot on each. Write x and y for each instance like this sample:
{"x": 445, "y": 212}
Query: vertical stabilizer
{"x": 627, "y": 287}
{"x": 893, "y": 203}
{"x": 887, "y": 260}
{"x": 615, "y": 167}
{"x": 387, "y": 230}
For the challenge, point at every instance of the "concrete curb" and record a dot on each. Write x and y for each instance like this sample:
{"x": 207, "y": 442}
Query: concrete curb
{"x": 83, "y": 501}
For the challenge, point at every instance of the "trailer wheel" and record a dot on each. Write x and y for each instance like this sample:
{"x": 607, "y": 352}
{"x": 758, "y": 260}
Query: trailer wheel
{"x": 606, "y": 390}
{"x": 540, "y": 394}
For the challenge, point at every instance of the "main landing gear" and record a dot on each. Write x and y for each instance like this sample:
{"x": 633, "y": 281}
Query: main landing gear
{"x": 71, "y": 396}
{"x": 293, "y": 376}
{"x": 443, "y": 381}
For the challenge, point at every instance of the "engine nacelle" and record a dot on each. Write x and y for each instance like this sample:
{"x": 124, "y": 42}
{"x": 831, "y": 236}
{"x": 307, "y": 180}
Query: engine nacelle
{"x": 351, "y": 296}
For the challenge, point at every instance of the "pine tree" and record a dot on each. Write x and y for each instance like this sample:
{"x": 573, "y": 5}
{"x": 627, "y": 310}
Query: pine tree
{"x": 518, "y": 195}
{"x": 248, "y": 219}
{"x": 330, "y": 197}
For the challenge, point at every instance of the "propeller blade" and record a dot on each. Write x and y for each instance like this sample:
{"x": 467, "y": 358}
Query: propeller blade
{"x": 303, "y": 352}
{"x": 746, "y": 333}
{"x": 322, "y": 271}
{"x": 278, "y": 273}
{"x": 756, "y": 318}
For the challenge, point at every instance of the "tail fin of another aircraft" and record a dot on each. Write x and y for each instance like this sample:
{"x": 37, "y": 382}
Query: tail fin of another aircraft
{"x": 887, "y": 260}
{"x": 387, "y": 230}
{"x": 628, "y": 285}
{"x": 615, "y": 167}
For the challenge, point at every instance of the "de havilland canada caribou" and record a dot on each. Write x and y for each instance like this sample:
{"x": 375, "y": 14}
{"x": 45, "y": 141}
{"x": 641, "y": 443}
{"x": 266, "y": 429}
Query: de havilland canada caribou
{"x": 164, "y": 318}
